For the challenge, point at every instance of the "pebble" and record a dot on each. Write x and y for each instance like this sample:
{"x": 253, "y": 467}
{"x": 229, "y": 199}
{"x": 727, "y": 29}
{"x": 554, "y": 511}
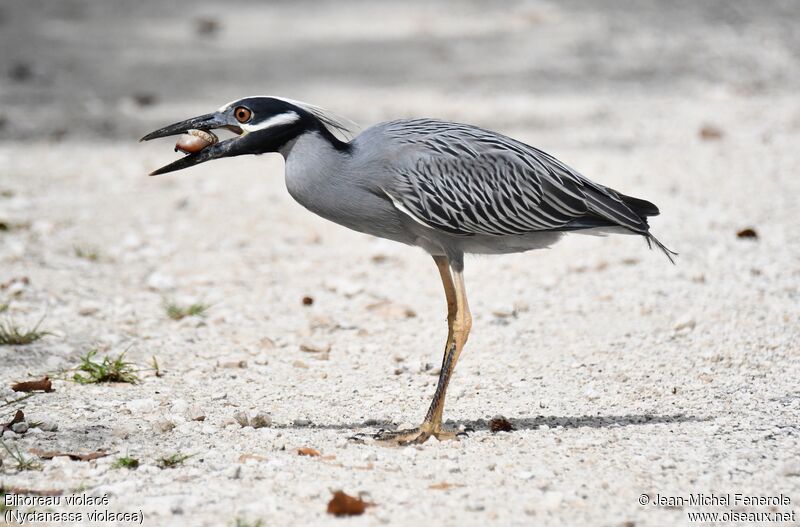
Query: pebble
{"x": 141, "y": 405}
{"x": 20, "y": 428}
{"x": 196, "y": 413}
{"x": 685, "y": 323}
{"x": 315, "y": 347}
{"x": 160, "y": 282}
{"x": 88, "y": 308}
{"x": 219, "y": 396}
{"x": 48, "y": 426}
{"x": 163, "y": 426}
{"x": 179, "y": 406}
{"x": 232, "y": 362}
{"x": 261, "y": 420}
{"x": 241, "y": 418}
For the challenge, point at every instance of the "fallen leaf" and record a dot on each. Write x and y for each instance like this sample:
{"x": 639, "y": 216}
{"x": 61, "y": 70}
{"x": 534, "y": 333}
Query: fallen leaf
{"x": 306, "y": 451}
{"x": 42, "y": 384}
{"x": 50, "y": 454}
{"x": 747, "y": 233}
{"x": 444, "y": 486}
{"x": 500, "y": 424}
{"x": 344, "y": 505}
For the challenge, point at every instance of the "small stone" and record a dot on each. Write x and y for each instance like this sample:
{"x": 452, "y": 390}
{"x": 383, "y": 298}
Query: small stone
{"x": 709, "y": 132}
{"x": 685, "y": 323}
{"x": 300, "y": 364}
{"x": 156, "y": 281}
{"x": 141, "y": 405}
{"x": 179, "y": 406}
{"x": 48, "y": 426}
{"x": 261, "y": 420}
{"x": 20, "y": 428}
{"x": 219, "y": 396}
{"x": 88, "y": 308}
{"x": 242, "y": 419}
{"x": 163, "y": 426}
{"x": 315, "y": 347}
{"x": 591, "y": 393}
{"x": 196, "y": 413}
{"x": 266, "y": 343}
{"x": 232, "y": 362}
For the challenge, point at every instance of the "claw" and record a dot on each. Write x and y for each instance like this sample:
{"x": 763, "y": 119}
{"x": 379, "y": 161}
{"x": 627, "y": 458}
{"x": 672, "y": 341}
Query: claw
{"x": 412, "y": 436}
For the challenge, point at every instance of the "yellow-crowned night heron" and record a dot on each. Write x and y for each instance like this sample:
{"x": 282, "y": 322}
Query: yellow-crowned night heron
{"x": 448, "y": 188}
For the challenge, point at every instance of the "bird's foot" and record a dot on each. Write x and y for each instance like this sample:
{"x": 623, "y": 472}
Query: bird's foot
{"x": 413, "y": 436}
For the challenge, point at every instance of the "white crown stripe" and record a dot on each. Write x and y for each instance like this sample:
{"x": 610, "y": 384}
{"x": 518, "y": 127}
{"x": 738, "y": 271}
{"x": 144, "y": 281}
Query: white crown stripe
{"x": 276, "y": 120}
{"x": 341, "y": 127}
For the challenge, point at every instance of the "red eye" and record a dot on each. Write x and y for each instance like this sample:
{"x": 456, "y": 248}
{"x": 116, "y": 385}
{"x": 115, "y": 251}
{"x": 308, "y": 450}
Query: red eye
{"x": 242, "y": 114}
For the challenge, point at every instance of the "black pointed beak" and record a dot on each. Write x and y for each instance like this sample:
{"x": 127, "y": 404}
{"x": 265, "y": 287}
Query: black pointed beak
{"x": 206, "y": 123}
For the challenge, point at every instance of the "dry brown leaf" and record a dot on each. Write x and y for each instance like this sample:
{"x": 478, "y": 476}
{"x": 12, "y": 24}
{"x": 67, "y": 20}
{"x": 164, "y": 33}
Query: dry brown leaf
{"x": 444, "y": 486}
{"x": 500, "y": 424}
{"x": 344, "y": 505}
{"x": 747, "y": 233}
{"x": 307, "y": 451}
{"x": 42, "y": 384}
{"x": 50, "y": 454}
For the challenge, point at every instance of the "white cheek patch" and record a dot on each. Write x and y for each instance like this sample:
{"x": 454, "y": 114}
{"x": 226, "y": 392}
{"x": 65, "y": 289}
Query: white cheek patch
{"x": 276, "y": 120}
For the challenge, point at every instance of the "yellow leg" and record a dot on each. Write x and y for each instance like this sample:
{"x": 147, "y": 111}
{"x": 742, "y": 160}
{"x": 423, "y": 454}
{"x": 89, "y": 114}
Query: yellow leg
{"x": 459, "y": 323}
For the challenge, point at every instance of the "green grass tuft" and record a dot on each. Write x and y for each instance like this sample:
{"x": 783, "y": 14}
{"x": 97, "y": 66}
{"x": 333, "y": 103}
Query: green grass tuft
{"x": 13, "y": 335}
{"x": 177, "y": 312}
{"x": 241, "y": 522}
{"x": 21, "y": 462}
{"x": 174, "y": 460}
{"x": 126, "y": 462}
{"x": 87, "y": 253}
{"x": 108, "y": 370}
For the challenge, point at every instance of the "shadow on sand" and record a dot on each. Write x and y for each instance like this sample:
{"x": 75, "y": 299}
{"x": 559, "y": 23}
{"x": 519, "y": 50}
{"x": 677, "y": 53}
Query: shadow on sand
{"x": 523, "y": 423}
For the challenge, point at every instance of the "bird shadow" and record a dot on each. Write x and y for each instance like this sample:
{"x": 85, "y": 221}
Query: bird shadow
{"x": 522, "y": 423}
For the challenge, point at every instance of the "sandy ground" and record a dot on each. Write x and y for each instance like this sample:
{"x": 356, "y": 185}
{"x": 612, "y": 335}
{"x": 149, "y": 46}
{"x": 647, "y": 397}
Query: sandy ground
{"x": 622, "y": 374}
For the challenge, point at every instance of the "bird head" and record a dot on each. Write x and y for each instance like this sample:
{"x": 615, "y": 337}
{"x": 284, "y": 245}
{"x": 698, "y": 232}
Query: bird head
{"x": 260, "y": 124}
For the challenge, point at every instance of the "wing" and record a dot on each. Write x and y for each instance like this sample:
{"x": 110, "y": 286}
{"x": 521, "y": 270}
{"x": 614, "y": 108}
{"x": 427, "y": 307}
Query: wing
{"x": 466, "y": 181}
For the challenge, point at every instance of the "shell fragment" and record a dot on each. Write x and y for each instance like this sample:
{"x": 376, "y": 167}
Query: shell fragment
{"x": 194, "y": 141}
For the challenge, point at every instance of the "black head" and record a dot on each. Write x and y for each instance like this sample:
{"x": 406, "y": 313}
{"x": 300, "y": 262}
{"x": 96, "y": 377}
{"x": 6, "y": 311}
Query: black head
{"x": 262, "y": 125}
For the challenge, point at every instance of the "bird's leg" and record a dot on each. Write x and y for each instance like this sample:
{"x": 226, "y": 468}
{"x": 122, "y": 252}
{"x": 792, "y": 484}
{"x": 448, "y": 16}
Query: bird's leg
{"x": 450, "y": 293}
{"x": 459, "y": 323}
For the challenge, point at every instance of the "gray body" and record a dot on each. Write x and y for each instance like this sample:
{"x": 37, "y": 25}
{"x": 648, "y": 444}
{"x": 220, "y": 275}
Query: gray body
{"x": 451, "y": 189}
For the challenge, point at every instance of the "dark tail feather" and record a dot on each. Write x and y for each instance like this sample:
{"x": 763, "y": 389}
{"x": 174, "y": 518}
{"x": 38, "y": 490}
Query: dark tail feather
{"x": 640, "y": 206}
{"x": 653, "y": 240}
